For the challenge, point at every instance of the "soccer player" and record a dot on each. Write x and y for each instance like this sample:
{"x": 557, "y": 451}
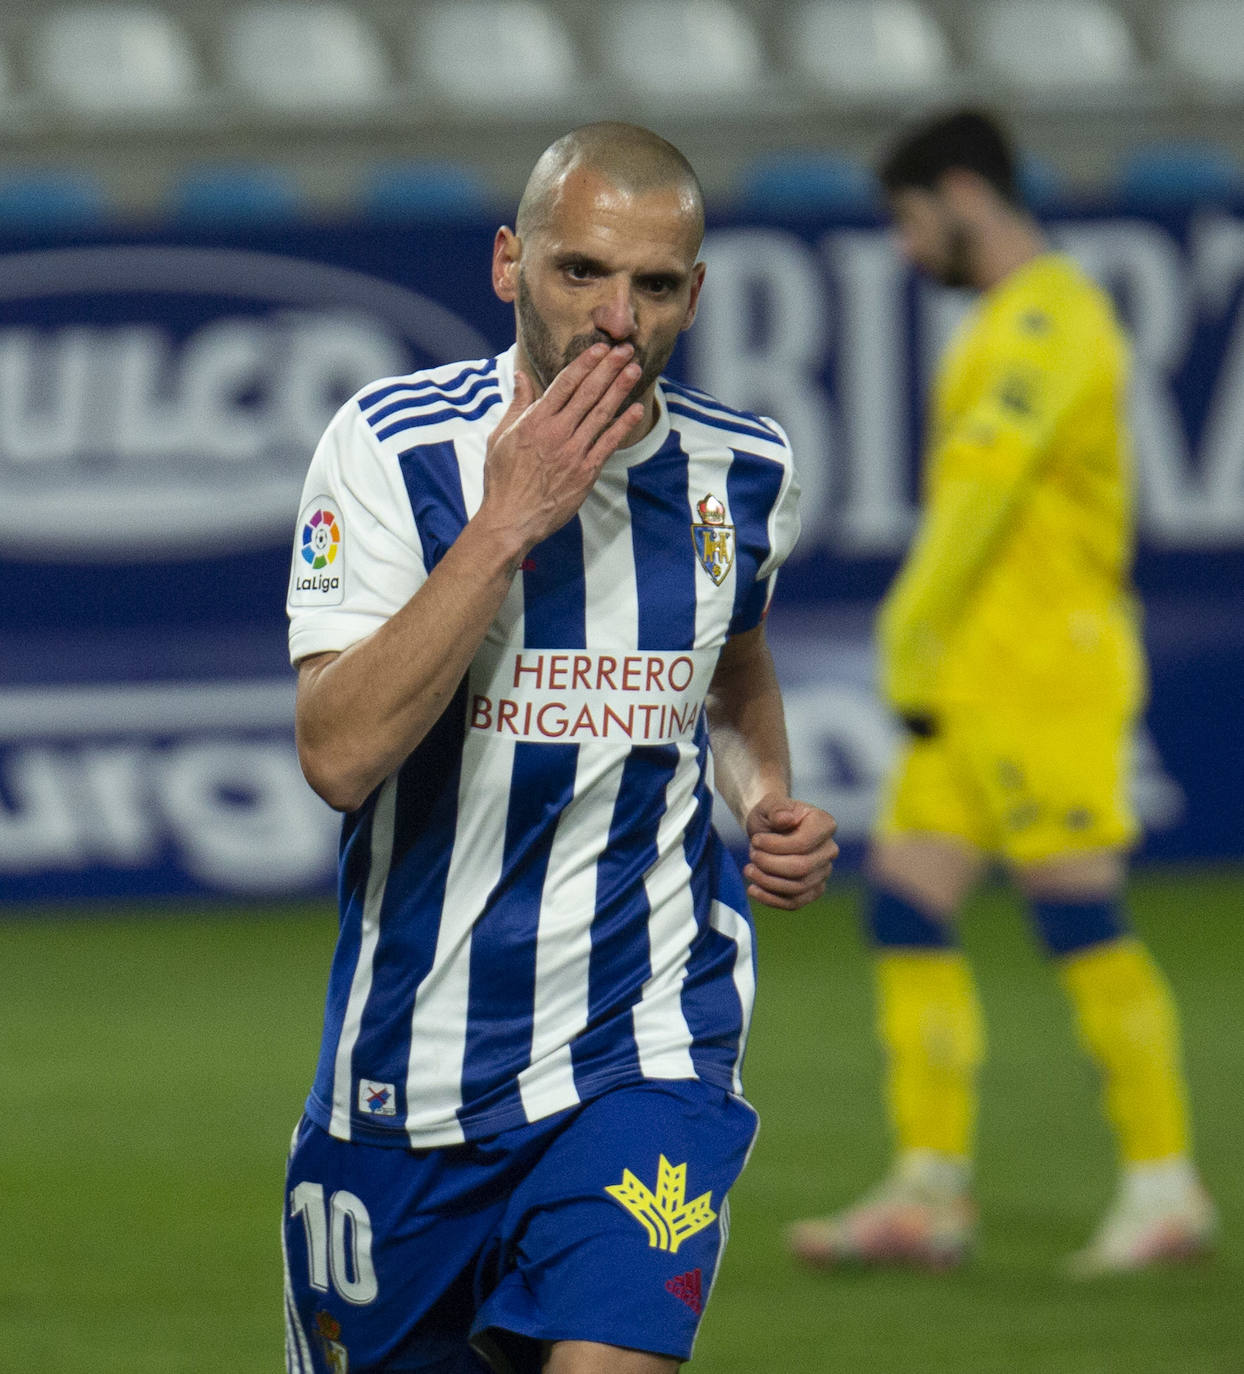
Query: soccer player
{"x": 1009, "y": 648}
{"x": 527, "y": 610}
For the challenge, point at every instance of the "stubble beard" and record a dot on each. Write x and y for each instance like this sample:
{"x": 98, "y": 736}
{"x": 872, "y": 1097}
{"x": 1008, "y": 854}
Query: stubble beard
{"x": 547, "y": 360}
{"x": 955, "y": 269}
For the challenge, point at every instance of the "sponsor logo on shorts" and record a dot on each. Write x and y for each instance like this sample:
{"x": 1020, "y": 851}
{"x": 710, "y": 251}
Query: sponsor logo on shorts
{"x": 688, "y": 1288}
{"x": 713, "y": 539}
{"x": 377, "y": 1099}
{"x": 664, "y": 1214}
{"x": 327, "y": 1329}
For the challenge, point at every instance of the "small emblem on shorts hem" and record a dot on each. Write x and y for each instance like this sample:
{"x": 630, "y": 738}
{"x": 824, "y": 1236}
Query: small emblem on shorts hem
{"x": 327, "y": 1329}
{"x": 665, "y": 1215}
{"x": 687, "y": 1288}
{"x": 377, "y": 1099}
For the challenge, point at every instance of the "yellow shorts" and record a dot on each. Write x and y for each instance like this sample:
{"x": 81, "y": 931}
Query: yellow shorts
{"x": 1026, "y": 787}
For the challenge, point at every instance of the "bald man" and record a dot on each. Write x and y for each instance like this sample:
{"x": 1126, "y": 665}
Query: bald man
{"x": 527, "y": 612}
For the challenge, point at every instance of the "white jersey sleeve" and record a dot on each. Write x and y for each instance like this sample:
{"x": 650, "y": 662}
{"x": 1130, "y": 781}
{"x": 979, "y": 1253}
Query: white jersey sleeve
{"x": 784, "y": 517}
{"x": 357, "y": 556}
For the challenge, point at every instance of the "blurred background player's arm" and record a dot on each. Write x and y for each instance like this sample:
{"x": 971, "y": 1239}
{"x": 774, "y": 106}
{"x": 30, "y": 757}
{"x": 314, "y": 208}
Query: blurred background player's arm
{"x": 977, "y": 475}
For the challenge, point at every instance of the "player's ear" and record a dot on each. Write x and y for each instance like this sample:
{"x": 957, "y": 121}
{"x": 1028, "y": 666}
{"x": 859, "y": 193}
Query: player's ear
{"x": 507, "y": 252}
{"x": 697, "y": 281}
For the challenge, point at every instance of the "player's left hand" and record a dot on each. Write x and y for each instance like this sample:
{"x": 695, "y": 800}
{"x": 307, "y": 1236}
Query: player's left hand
{"x": 791, "y": 851}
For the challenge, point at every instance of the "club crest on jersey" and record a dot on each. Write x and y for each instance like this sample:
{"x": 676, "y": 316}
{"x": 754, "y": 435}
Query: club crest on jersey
{"x": 665, "y": 1214}
{"x": 713, "y": 539}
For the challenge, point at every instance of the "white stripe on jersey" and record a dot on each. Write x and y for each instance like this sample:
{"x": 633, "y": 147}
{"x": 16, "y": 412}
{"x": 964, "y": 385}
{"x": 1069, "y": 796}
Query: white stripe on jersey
{"x": 360, "y": 985}
{"x": 726, "y": 921}
{"x": 662, "y": 1035}
{"x": 564, "y": 939}
{"x": 438, "y": 1024}
{"x": 712, "y": 613}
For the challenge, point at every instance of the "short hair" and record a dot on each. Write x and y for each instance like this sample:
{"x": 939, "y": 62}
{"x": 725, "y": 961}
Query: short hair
{"x": 631, "y": 157}
{"x": 965, "y": 140}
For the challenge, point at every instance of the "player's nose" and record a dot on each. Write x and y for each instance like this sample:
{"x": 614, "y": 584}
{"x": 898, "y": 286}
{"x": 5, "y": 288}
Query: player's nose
{"x": 615, "y": 312}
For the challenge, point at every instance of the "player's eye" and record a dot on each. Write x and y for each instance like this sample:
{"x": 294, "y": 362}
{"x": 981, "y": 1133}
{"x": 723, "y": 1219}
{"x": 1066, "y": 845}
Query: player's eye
{"x": 578, "y": 271}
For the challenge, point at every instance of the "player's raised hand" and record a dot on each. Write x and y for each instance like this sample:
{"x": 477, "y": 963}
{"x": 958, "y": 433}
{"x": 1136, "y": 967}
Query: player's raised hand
{"x": 546, "y": 453}
{"x": 791, "y": 851}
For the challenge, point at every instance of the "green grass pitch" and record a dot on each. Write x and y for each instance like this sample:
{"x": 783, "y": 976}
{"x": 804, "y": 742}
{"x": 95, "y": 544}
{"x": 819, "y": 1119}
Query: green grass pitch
{"x": 153, "y": 1066}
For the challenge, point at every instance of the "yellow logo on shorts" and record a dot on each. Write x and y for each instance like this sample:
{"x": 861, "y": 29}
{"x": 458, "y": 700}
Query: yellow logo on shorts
{"x": 666, "y": 1215}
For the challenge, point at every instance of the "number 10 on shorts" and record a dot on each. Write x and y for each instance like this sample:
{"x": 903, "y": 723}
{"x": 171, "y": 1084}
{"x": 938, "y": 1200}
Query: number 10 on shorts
{"x": 338, "y": 1242}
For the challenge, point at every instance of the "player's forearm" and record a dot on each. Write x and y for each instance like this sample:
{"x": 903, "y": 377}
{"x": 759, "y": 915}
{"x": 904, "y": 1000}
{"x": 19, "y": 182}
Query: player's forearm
{"x": 362, "y": 712}
{"x": 747, "y": 728}
{"x": 934, "y": 588}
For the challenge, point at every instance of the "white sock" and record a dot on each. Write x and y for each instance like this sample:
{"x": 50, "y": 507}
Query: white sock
{"x": 1159, "y": 1183}
{"x": 934, "y": 1170}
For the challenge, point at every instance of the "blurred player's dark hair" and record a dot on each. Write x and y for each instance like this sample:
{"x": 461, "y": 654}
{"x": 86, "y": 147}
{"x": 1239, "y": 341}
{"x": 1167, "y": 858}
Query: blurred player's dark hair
{"x": 967, "y": 140}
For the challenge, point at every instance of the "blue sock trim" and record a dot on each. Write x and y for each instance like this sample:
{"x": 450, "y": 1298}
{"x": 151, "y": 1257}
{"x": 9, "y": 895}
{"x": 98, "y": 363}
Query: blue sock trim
{"x": 1067, "y": 927}
{"x": 895, "y": 923}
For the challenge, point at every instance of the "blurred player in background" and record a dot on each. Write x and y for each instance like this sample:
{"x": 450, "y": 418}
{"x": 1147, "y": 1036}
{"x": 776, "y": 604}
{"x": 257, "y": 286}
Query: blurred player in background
{"x": 528, "y": 592}
{"x": 1010, "y": 650}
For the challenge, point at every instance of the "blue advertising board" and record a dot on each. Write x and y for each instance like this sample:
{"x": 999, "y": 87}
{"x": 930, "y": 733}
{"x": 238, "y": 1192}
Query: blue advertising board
{"x": 160, "y": 397}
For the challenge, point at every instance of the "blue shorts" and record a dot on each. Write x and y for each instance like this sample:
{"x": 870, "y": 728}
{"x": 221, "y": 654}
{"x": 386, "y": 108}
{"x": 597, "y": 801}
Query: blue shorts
{"x": 602, "y": 1223}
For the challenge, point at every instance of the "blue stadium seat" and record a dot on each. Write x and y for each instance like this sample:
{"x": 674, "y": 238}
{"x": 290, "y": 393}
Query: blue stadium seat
{"x": 235, "y": 194}
{"x": 52, "y": 199}
{"x": 423, "y": 190}
{"x": 1179, "y": 176}
{"x": 807, "y": 183}
{"x": 1042, "y": 186}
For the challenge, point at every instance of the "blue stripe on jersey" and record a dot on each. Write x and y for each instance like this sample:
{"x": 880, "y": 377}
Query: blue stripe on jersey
{"x": 503, "y": 943}
{"x": 425, "y": 816}
{"x": 620, "y": 962}
{"x": 354, "y": 864}
{"x": 436, "y": 417}
{"x": 665, "y": 565}
{"x": 410, "y": 386}
{"x": 418, "y": 404}
{"x": 555, "y": 592}
{"x": 710, "y": 1002}
{"x": 434, "y": 485}
{"x": 755, "y": 431}
{"x": 712, "y": 407}
{"x": 752, "y": 488}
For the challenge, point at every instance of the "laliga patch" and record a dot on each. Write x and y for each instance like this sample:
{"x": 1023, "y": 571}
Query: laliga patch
{"x": 713, "y": 539}
{"x": 377, "y": 1099}
{"x": 318, "y": 576}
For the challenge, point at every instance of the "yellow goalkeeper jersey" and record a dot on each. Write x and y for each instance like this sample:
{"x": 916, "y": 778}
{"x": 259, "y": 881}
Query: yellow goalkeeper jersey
{"x": 1016, "y": 589}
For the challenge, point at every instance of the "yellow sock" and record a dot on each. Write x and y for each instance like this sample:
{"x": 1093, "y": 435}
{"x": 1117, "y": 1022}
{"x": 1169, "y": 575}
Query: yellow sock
{"x": 929, "y": 1021}
{"x": 1128, "y": 1023}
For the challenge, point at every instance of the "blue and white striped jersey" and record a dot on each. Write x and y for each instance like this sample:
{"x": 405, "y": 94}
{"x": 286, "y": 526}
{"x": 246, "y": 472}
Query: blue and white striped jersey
{"x": 535, "y": 907}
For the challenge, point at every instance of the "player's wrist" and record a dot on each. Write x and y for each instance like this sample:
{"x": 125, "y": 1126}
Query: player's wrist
{"x": 497, "y": 541}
